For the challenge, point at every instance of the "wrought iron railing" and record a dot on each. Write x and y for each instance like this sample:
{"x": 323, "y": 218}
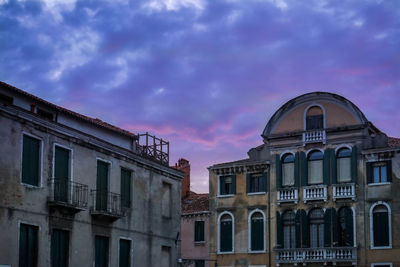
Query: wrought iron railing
{"x": 315, "y": 192}
{"x": 314, "y": 136}
{"x": 325, "y": 255}
{"x": 106, "y": 202}
{"x": 70, "y": 193}
{"x": 290, "y": 194}
{"x": 344, "y": 191}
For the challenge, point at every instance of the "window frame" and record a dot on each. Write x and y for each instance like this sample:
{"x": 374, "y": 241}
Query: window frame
{"x": 305, "y": 116}
{"x": 219, "y": 233}
{"x": 257, "y": 192}
{"x": 41, "y": 151}
{"x": 320, "y": 223}
{"x": 219, "y": 185}
{"x": 204, "y": 229}
{"x": 250, "y": 230}
{"x": 283, "y": 230}
{"x": 130, "y": 251}
{"x": 337, "y": 150}
{"x": 38, "y": 237}
{"x": 371, "y": 225}
{"x": 169, "y": 186}
{"x": 308, "y": 153}
{"x": 380, "y": 165}
{"x": 282, "y": 156}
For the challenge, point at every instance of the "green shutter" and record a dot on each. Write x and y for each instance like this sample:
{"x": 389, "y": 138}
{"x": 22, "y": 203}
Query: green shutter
{"x": 304, "y": 169}
{"x": 126, "y": 184}
{"x": 28, "y": 245}
{"x": 59, "y": 248}
{"x": 296, "y": 169}
{"x": 334, "y": 228}
{"x": 101, "y": 185}
{"x": 233, "y": 184}
{"x": 334, "y": 167}
{"x": 257, "y": 235}
{"x": 304, "y": 230}
{"x": 354, "y": 165}
{"x": 199, "y": 231}
{"x": 124, "y": 253}
{"x": 381, "y": 229}
{"x": 61, "y": 174}
{"x": 226, "y": 236}
{"x": 298, "y": 229}
{"x": 327, "y": 227}
{"x": 326, "y": 169}
{"x": 222, "y": 185}
{"x": 23, "y": 245}
{"x": 348, "y": 219}
{"x": 248, "y": 183}
{"x": 278, "y": 168}
{"x": 389, "y": 170}
{"x": 101, "y": 251}
{"x": 30, "y": 160}
{"x": 279, "y": 243}
{"x": 370, "y": 177}
{"x": 264, "y": 182}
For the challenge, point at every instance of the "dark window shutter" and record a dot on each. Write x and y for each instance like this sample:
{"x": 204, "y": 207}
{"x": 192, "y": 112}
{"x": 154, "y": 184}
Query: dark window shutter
{"x": 381, "y": 229}
{"x": 296, "y": 170}
{"x": 30, "y": 160}
{"x": 124, "y": 253}
{"x": 226, "y": 236}
{"x": 389, "y": 170}
{"x": 278, "y": 167}
{"x": 348, "y": 218}
{"x": 28, "y": 246}
{"x": 222, "y": 185}
{"x": 278, "y": 230}
{"x": 370, "y": 178}
{"x": 23, "y": 245}
{"x": 327, "y": 227}
{"x": 304, "y": 169}
{"x": 334, "y": 167}
{"x": 248, "y": 184}
{"x": 298, "y": 229}
{"x": 354, "y": 164}
{"x": 257, "y": 235}
{"x": 305, "y": 239}
{"x": 101, "y": 251}
{"x": 126, "y": 188}
{"x": 199, "y": 231}
{"x": 264, "y": 182}
{"x": 326, "y": 169}
{"x": 334, "y": 228}
{"x": 59, "y": 248}
{"x": 233, "y": 184}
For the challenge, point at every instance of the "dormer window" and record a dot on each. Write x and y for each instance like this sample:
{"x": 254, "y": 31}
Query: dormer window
{"x": 314, "y": 118}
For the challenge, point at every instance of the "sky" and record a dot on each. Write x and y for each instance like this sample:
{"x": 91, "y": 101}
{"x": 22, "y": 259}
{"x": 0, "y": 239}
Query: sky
{"x": 204, "y": 74}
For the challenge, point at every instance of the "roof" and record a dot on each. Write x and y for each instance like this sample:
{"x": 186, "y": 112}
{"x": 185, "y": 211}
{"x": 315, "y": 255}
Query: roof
{"x": 393, "y": 142}
{"x": 195, "y": 203}
{"x": 236, "y": 162}
{"x": 94, "y": 121}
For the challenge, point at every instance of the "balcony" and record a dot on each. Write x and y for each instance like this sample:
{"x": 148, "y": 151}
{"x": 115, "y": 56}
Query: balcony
{"x": 106, "y": 205}
{"x": 287, "y": 195}
{"x": 68, "y": 195}
{"x": 314, "y": 136}
{"x": 344, "y": 191}
{"x": 315, "y": 192}
{"x": 319, "y": 255}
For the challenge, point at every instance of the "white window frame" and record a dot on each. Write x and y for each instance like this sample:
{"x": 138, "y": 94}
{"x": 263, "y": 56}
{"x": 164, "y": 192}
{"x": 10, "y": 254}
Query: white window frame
{"x": 41, "y": 150}
{"x": 371, "y": 225}
{"x": 381, "y": 264}
{"x": 314, "y": 104}
{"x": 219, "y": 233}
{"x": 130, "y": 252}
{"x": 249, "y": 231}
{"x": 219, "y": 187}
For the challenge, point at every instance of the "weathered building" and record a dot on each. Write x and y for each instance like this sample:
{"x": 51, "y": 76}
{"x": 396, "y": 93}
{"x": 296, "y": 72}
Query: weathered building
{"x": 323, "y": 189}
{"x": 76, "y": 191}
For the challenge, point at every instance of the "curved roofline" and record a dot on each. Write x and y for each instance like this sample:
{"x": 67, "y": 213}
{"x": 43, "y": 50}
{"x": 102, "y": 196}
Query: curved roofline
{"x": 316, "y": 94}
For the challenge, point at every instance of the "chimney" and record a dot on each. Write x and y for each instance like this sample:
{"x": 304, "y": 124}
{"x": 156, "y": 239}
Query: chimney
{"x": 184, "y": 166}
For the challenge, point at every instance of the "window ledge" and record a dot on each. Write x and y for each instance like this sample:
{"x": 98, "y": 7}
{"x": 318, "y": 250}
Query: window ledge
{"x": 378, "y": 184}
{"x": 32, "y": 186}
{"x": 376, "y": 248}
{"x": 199, "y": 243}
{"x": 224, "y": 253}
{"x": 228, "y": 195}
{"x": 256, "y": 251}
{"x": 256, "y": 193}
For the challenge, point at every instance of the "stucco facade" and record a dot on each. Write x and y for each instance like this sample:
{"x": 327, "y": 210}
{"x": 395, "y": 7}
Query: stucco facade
{"x": 330, "y": 174}
{"x": 141, "y": 225}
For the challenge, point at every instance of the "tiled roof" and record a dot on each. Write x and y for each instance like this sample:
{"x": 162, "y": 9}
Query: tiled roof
{"x": 393, "y": 142}
{"x": 94, "y": 121}
{"x": 194, "y": 203}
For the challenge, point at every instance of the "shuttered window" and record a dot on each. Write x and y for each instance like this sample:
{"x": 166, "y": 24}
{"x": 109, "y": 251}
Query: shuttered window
{"x": 30, "y": 160}
{"x": 59, "y": 248}
{"x": 288, "y": 170}
{"x": 256, "y": 182}
{"x": 101, "y": 251}
{"x": 380, "y": 226}
{"x": 225, "y": 238}
{"x": 345, "y": 227}
{"x": 343, "y": 165}
{"x": 289, "y": 239}
{"x": 379, "y": 172}
{"x": 61, "y": 173}
{"x": 199, "y": 231}
{"x": 316, "y": 222}
{"x": 126, "y": 188}
{"x": 257, "y": 232}
{"x": 227, "y": 185}
{"x": 124, "y": 253}
{"x": 28, "y": 245}
{"x": 315, "y": 167}
{"x": 102, "y": 185}
{"x": 314, "y": 122}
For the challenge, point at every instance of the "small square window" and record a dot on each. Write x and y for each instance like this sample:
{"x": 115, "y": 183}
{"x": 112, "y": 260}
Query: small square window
{"x": 256, "y": 183}
{"x": 227, "y": 185}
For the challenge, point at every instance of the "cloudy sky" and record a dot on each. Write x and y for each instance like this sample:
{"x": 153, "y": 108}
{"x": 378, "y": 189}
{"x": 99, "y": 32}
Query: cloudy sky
{"x": 204, "y": 74}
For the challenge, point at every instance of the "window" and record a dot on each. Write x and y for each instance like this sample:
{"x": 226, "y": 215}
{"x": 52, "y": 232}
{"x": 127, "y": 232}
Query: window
{"x": 44, "y": 114}
{"x": 199, "y": 263}
{"x": 387, "y": 264}
{"x": 198, "y": 231}
{"x": 166, "y": 200}
{"x": 59, "y": 248}
{"x": 101, "y": 251}
{"x": 61, "y": 173}
{"x": 126, "y": 184}
{"x": 5, "y": 99}
{"x": 102, "y": 186}
{"x": 124, "y": 253}
{"x": 166, "y": 256}
{"x": 316, "y": 220}
{"x": 380, "y": 220}
{"x": 343, "y": 165}
{"x": 345, "y": 227}
{"x": 289, "y": 230}
{"x": 227, "y": 185}
{"x": 314, "y": 118}
{"x": 226, "y": 232}
{"x": 256, "y": 182}
{"x": 315, "y": 163}
{"x": 28, "y": 245}
{"x": 256, "y": 231}
{"x": 288, "y": 170}
{"x": 30, "y": 160}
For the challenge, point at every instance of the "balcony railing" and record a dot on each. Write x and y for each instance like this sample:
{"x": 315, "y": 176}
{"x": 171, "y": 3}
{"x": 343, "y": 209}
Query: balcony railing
{"x": 341, "y": 191}
{"x": 315, "y": 192}
{"x": 67, "y": 193}
{"x": 286, "y": 195}
{"x": 314, "y": 136}
{"x": 323, "y": 255}
{"x": 106, "y": 203}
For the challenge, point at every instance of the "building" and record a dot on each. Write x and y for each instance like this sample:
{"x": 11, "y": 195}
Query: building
{"x": 76, "y": 191}
{"x": 322, "y": 189}
{"x": 195, "y": 244}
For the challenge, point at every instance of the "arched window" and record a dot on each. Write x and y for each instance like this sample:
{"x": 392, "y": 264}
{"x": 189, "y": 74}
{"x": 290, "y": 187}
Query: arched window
{"x": 343, "y": 165}
{"x": 288, "y": 170}
{"x": 316, "y": 221}
{"x": 256, "y": 227}
{"x": 289, "y": 229}
{"x": 226, "y": 229}
{"x": 314, "y": 118}
{"x": 315, "y": 164}
{"x": 380, "y": 219}
{"x": 345, "y": 227}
